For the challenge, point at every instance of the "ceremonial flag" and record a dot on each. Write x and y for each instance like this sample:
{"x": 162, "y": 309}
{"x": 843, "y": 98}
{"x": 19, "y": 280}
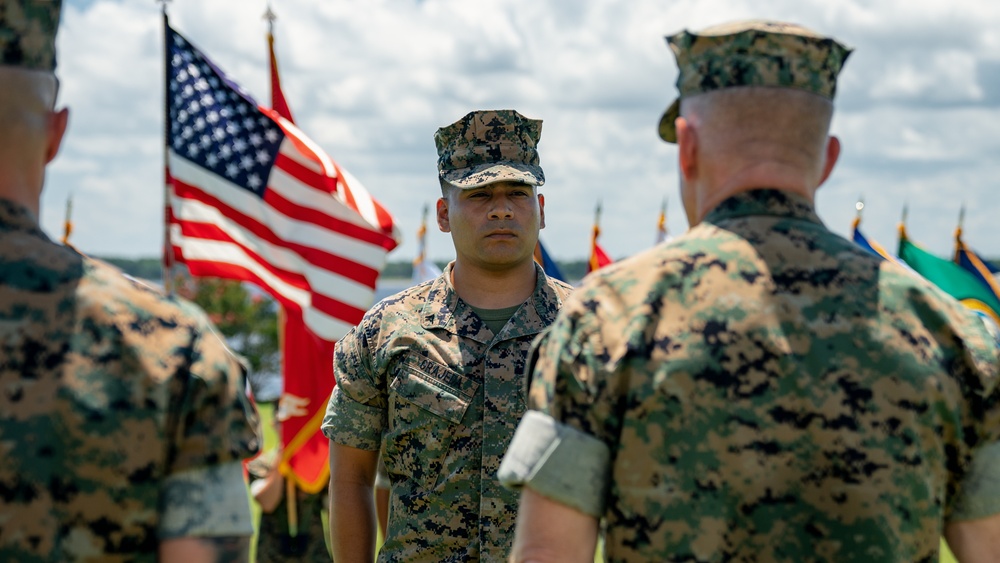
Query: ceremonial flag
{"x": 598, "y": 258}
{"x": 981, "y": 270}
{"x": 872, "y": 246}
{"x": 252, "y": 198}
{"x": 952, "y": 278}
{"x": 423, "y": 269}
{"x": 546, "y": 262}
{"x": 968, "y": 259}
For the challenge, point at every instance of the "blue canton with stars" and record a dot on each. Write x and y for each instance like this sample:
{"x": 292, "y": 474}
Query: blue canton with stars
{"x": 214, "y": 123}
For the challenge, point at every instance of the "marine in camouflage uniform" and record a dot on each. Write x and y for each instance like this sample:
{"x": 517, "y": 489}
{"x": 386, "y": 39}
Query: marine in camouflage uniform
{"x": 123, "y": 416}
{"x": 275, "y": 544}
{"x": 426, "y": 375}
{"x": 759, "y": 389}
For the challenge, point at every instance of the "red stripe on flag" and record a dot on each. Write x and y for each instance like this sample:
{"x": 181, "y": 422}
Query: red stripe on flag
{"x": 204, "y": 231}
{"x": 229, "y": 271}
{"x": 337, "y": 309}
{"x": 307, "y": 177}
{"x": 319, "y": 258}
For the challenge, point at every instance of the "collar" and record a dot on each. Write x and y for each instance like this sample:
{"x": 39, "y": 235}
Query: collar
{"x": 445, "y": 310}
{"x": 16, "y": 217}
{"x": 764, "y": 201}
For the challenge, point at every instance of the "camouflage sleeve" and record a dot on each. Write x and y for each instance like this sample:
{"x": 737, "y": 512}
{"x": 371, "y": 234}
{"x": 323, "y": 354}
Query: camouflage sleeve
{"x": 213, "y": 420}
{"x": 206, "y": 502}
{"x": 980, "y": 493}
{"x": 559, "y": 462}
{"x": 563, "y": 452}
{"x": 356, "y": 413}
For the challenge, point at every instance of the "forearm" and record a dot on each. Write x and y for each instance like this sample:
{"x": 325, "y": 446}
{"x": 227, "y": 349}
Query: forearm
{"x": 352, "y": 522}
{"x": 548, "y": 531}
{"x": 975, "y": 541}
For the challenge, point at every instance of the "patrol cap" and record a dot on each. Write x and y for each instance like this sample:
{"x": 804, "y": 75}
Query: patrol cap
{"x": 485, "y": 147}
{"x": 752, "y": 53}
{"x": 28, "y": 33}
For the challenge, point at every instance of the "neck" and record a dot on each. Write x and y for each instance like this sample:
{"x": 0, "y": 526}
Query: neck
{"x": 18, "y": 191}
{"x": 493, "y": 289}
{"x": 776, "y": 175}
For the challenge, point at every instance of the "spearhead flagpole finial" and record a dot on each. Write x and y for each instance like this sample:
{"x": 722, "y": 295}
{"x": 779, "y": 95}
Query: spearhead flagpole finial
{"x": 270, "y": 16}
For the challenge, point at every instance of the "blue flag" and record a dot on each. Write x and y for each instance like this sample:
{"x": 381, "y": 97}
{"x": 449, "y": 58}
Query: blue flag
{"x": 547, "y": 263}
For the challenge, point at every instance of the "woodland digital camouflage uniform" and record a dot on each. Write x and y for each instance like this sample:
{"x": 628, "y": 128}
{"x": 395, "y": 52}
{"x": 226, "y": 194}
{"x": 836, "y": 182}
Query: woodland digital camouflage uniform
{"x": 275, "y": 544}
{"x": 27, "y": 32}
{"x": 447, "y": 393}
{"x": 756, "y": 53}
{"x": 490, "y": 146}
{"x": 769, "y": 391}
{"x": 759, "y": 389}
{"x": 108, "y": 388}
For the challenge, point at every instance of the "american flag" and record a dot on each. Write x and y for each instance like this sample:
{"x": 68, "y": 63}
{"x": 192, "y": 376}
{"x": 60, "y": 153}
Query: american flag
{"x": 254, "y": 199}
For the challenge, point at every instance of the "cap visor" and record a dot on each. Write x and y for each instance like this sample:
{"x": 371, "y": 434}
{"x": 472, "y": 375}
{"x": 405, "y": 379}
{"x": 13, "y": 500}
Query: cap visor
{"x": 668, "y": 130}
{"x": 491, "y": 173}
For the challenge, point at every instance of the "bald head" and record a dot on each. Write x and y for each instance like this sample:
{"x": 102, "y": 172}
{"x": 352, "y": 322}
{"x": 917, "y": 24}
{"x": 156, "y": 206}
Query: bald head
{"x": 751, "y": 137}
{"x": 757, "y": 123}
{"x": 30, "y": 131}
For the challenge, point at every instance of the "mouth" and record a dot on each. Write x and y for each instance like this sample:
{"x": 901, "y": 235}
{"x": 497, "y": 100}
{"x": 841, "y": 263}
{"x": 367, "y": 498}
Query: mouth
{"x": 502, "y": 234}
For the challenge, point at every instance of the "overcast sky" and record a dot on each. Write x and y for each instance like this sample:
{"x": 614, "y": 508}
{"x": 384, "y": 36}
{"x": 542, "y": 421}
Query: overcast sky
{"x": 918, "y": 106}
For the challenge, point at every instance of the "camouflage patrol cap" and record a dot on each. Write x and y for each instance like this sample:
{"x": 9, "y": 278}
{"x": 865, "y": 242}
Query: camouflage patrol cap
{"x": 485, "y": 147}
{"x": 752, "y": 53}
{"x": 28, "y": 33}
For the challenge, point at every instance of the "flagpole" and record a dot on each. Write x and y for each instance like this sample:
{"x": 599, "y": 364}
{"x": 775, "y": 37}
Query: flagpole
{"x": 593, "y": 237}
{"x": 168, "y": 247}
{"x": 902, "y": 222}
{"x": 661, "y": 224}
{"x": 68, "y": 222}
{"x": 858, "y": 207}
{"x": 291, "y": 491}
{"x": 958, "y": 232}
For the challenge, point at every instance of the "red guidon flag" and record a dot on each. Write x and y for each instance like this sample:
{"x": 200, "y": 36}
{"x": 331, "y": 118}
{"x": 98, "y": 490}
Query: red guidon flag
{"x": 252, "y": 198}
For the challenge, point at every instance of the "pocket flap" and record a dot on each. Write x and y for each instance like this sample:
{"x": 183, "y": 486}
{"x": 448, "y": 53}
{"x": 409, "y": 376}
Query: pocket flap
{"x": 435, "y": 388}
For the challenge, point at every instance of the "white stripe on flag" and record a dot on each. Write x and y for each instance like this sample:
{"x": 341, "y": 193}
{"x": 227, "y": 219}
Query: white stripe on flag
{"x": 286, "y": 228}
{"x": 230, "y": 253}
{"x": 330, "y": 283}
{"x": 325, "y": 326}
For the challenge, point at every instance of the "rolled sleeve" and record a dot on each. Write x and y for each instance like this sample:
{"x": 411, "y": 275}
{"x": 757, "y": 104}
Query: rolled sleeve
{"x": 979, "y": 496}
{"x": 356, "y": 413}
{"x": 206, "y": 502}
{"x": 558, "y": 462}
{"x": 350, "y": 423}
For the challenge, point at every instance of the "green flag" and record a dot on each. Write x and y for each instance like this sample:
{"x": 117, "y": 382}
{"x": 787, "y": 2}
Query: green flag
{"x": 952, "y": 278}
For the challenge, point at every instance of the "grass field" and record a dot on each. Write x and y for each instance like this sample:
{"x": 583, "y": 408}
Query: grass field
{"x": 271, "y": 440}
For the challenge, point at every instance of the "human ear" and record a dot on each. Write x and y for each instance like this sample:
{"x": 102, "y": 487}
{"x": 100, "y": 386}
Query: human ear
{"x": 444, "y": 225}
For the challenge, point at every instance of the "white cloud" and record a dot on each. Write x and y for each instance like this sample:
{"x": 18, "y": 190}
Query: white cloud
{"x": 371, "y": 80}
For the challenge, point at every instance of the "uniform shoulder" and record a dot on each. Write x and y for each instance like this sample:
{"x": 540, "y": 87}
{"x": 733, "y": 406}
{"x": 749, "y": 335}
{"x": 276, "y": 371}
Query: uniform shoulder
{"x": 403, "y": 302}
{"x": 561, "y": 288}
{"x": 108, "y": 290}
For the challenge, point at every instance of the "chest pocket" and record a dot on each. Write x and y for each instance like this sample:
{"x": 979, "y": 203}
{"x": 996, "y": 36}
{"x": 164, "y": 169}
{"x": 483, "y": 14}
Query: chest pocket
{"x": 435, "y": 388}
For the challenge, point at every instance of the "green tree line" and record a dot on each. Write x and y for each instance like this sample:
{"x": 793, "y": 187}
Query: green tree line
{"x": 152, "y": 268}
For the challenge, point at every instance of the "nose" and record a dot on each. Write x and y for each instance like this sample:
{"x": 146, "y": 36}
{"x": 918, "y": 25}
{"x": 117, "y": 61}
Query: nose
{"x": 502, "y": 209}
